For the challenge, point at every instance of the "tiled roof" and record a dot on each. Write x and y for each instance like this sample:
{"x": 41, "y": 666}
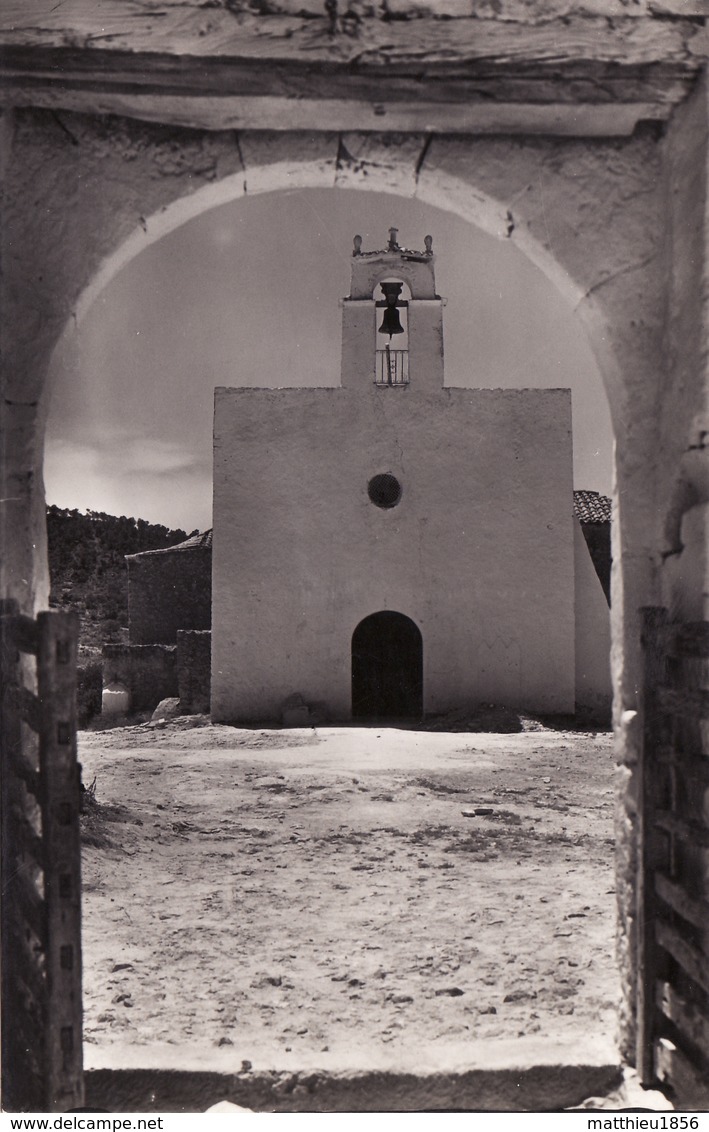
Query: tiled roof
{"x": 202, "y": 541}
{"x": 590, "y": 507}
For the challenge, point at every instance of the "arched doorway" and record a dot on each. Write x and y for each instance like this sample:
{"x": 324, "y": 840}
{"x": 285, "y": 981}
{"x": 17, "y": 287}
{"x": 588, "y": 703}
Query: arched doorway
{"x": 387, "y": 668}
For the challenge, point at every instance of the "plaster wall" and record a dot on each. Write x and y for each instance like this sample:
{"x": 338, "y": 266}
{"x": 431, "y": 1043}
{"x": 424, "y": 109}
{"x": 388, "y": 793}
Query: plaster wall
{"x": 593, "y": 633}
{"x": 686, "y": 575}
{"x": 683, "y": 486}
{"x": 478, "y": 553}
{"x": 426, "y": 343}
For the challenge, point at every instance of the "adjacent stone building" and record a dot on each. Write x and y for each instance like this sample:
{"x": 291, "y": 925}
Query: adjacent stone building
{"x": 392, "y": 546}
{"x": 169, "y": 617}
{"x": 169, "y": 590}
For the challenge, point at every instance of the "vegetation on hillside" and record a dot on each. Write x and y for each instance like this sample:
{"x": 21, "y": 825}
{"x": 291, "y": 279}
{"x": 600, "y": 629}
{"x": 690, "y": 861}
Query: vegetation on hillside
{"x": 87, "y": 567}
{"x": 88, "y": 573}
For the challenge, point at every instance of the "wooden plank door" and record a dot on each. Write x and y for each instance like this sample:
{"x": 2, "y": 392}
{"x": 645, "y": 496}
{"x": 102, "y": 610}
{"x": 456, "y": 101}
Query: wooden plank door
{"x": 673, "y": 905}
{"x": 41, "y": 871}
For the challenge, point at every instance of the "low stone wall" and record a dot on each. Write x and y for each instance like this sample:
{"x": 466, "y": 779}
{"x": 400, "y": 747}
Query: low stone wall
{"x": 149, "y": 672}
{"x": 194, "y": 670}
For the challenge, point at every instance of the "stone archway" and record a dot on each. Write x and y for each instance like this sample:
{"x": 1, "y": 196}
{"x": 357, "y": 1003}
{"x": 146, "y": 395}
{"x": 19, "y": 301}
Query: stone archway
{"x": 104, "y": 189}
{"x": 83, "y": 194}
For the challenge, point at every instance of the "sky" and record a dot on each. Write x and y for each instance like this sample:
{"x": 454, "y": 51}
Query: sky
{"x": 248, "y": 294}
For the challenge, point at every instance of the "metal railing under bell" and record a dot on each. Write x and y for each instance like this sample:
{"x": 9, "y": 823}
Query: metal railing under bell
{"x": 392, "y": 367}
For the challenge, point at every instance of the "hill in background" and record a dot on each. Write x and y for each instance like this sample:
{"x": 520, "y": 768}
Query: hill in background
{"x": 88, "y": 572}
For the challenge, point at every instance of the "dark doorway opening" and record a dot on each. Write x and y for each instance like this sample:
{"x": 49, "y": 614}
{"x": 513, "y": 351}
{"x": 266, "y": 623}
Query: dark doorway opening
{"x": 387, "y": 668}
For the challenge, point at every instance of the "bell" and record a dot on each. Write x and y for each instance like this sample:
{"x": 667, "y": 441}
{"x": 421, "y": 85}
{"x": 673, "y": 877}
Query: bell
{"x": 391, "y": 323}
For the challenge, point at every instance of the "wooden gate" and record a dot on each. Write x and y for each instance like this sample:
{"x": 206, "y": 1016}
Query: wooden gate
{"x": 41, "y": 877}
{"x": 673, "y": 911}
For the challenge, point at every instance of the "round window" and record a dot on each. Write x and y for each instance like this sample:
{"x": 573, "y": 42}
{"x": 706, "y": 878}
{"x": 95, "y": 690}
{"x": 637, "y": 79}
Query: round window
{"x": 384, "y": 490}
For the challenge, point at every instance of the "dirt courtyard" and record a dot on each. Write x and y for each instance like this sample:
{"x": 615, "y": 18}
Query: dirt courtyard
{"x": 297, "y": 892}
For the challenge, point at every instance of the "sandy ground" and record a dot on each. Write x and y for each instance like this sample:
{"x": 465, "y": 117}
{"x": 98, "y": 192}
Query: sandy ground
{"x": 349, "y": 889}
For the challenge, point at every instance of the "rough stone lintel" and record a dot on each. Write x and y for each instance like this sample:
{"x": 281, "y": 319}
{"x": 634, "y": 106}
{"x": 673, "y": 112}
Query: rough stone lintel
{"x": 224, "y": 68}
{"x": 244, "y": 112}
{"x": 179, "y": 27}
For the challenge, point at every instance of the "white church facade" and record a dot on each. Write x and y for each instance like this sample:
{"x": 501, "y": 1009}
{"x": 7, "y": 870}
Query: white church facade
{"x": 393, "y": 547}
